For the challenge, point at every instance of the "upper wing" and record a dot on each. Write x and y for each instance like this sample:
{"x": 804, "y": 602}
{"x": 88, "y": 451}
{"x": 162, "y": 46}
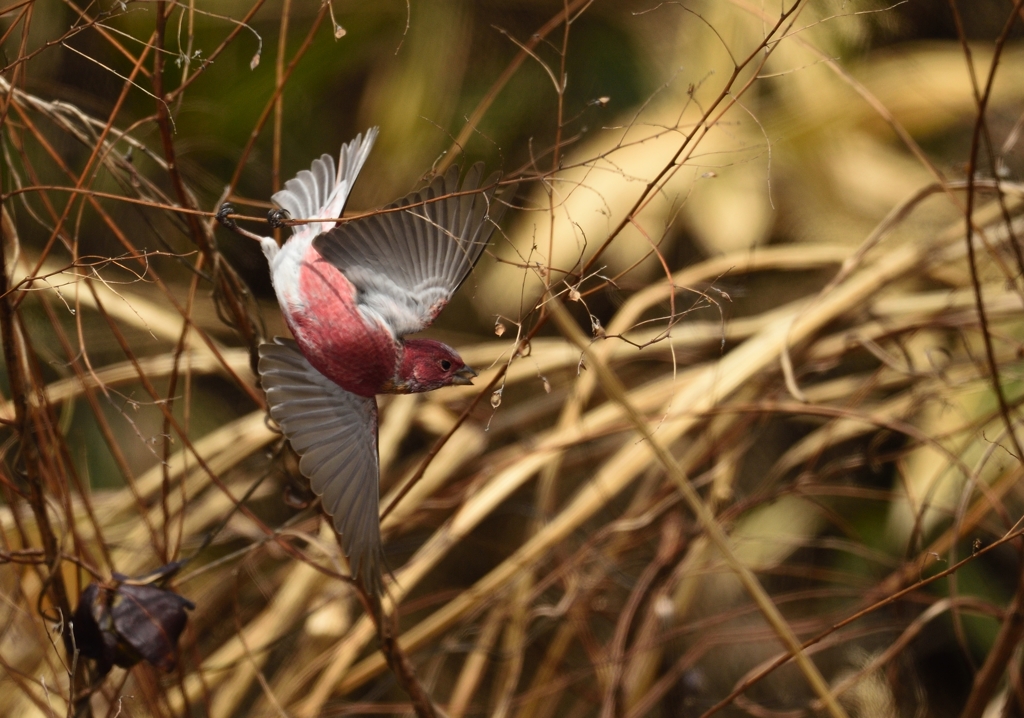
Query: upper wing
{"x": 334, "y": 432}
{"x": 319, "y": 191}
{"x": 407, "y": 264}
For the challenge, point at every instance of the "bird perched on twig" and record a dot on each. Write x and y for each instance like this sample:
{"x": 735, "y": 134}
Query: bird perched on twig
{"x": 350, "y": 293}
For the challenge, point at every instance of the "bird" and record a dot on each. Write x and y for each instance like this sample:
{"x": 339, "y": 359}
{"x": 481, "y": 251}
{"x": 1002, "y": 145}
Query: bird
{"x": 350, "y": 293}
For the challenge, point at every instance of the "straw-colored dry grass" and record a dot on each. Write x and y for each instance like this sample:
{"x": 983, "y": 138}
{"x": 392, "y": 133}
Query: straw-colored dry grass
{"x": 746, "y": 435}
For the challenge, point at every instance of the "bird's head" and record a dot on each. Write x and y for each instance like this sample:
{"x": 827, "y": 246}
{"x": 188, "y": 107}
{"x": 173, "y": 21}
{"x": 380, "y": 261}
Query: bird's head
{"x": 428, "y": 365}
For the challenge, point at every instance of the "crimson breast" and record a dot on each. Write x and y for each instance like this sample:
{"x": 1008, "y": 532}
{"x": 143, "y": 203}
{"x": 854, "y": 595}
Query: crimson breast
{"x": 335, "y": 338}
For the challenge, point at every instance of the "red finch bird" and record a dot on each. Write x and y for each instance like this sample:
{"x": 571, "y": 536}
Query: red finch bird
{"x": 350, "y": 294}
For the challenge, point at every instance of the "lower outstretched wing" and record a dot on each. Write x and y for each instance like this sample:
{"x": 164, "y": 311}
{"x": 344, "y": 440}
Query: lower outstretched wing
{"x": 407, "y": 263}
{"x": 334, "y": 432}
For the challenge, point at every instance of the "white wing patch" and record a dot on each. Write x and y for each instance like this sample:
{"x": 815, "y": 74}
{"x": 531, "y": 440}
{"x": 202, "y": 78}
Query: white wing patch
{"x": 380, "y": 299}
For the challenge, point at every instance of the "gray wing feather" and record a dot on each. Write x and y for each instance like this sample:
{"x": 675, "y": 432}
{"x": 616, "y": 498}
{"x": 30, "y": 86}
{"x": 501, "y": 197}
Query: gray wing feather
{"x": 407, "y": 264}
{"x": 334, "y": 432}
{"x": 321, "y": 191}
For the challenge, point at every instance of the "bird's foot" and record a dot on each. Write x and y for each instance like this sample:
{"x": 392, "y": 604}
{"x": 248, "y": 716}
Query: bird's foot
{"x": 228, "y": 222}
{"x": 222, "y": 216}
{"x": 277, "y": 217}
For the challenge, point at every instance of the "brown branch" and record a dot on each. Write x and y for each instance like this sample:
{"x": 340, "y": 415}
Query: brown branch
{"x": 981, "y": 101}
{"x": 727, "y": 96}
{"x": 105, "y": 34}
{"x": 387, "y": 632}
{"x": 403, "y": 669}
{"x": 229, "y": 285}
{"x": 89, "y": 392}
{"x": 1012, "y": 628}
{"x": 915, "y": 568}
{"x": 58, "y": 227}
{"x": 668, "y": 548}
{"x": 27, "y": 432}
{"x": 179, "y": 351}
{"x": 25, "y": 57}
{"x": 20, "y": 383}
{"x": 979, "y": 123}
{"x": 115, "y": 230}
{"x": 269, "y": 107}
{"x": 239, "y": 26}
{"x": 499, "y": 84}
{"x": 765, "y": 46}
{"x": 987, "y": 679}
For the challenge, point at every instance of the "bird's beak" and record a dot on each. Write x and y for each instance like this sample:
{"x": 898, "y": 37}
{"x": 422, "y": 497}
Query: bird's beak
{"x": 463, "y": 376}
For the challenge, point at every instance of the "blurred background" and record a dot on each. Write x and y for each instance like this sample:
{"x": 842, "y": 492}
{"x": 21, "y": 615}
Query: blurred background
{"x": 756, "y": 214}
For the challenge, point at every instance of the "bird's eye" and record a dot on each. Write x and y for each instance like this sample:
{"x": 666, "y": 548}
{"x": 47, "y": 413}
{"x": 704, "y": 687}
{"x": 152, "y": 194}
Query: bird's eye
{"x": 445, "y": 365}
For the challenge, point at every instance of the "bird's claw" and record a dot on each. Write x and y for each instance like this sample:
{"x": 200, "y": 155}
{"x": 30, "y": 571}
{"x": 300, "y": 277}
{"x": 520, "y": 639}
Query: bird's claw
{"x": 223, "y": 218}
{"x": 276, "y": 218}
